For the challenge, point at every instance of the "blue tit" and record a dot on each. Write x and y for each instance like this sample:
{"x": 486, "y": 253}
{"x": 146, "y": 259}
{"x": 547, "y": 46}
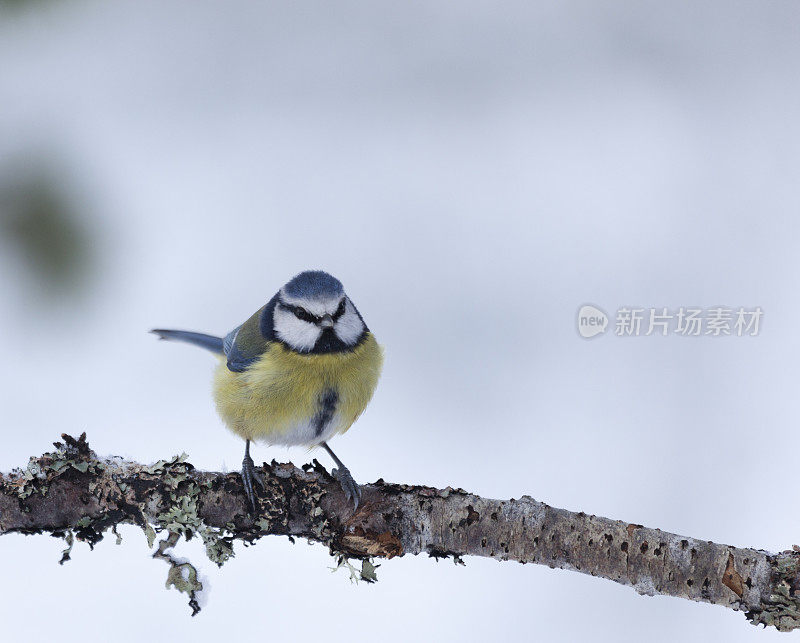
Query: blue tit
{"x": 299, "y": 371}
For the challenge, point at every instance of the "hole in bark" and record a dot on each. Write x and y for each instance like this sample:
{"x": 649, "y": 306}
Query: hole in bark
{"x": 535, "y": 541}
{"x": 608, "y": 537}
{"x": 643, "y": 548}
{"x": 706, "y": 583}
{"x": 657, "y": 551}
{"x": 591, "y": 542}
{"x": 624, "y": 546}
{"x": 749, "y": 582}
{"x": 572, "y": 527}
{"x": 684, "y": 544}
{"x": 746, "y": 561}
{"x": 483, "y": 542}
{"x": 494, "y": 515}
{"x": 690, "y": 582}
{"x": 693, "y": 552}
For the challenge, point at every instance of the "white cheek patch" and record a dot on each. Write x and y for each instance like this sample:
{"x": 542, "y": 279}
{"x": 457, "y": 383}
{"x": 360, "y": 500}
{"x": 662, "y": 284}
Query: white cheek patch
{"x": 298, "y": 334}
{"x": 349, "y": 326}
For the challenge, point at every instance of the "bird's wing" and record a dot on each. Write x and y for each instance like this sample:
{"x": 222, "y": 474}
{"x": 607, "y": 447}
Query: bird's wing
{"x": 227, "y": 341}
{"x": 246, "y": 343}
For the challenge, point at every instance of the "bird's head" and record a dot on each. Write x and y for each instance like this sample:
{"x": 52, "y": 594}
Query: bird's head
{"x": 314, "y": 315}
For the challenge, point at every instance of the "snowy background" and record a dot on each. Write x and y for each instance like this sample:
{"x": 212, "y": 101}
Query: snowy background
{"x": 473, "y": 173}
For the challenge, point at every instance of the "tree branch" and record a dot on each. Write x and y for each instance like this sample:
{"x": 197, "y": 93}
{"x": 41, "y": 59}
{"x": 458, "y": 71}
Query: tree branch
{"x": 73, "y": 494}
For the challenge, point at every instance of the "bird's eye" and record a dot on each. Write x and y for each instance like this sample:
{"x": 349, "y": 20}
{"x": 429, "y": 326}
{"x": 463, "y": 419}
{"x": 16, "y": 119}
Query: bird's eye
{"x": 302, "y": 313}
{"x": 339, "y": 311}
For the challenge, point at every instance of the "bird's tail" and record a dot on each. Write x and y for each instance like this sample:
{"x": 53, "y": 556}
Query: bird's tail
{"x": 209, "y": 342}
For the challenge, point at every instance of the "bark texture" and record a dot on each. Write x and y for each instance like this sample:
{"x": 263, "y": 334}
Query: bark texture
{"x": 73, "y": 494}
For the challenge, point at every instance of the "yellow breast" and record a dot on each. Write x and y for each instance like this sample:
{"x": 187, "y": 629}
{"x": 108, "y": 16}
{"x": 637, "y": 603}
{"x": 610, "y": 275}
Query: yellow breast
{"x": 278, "y": 398}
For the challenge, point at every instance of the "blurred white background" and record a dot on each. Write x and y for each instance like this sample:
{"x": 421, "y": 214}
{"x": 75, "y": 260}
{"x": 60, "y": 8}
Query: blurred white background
{"x": 473, "y": 173}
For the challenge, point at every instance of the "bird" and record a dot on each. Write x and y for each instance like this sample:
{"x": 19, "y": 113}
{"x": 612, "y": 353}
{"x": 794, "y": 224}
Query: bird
{"x": 299, "y": 371}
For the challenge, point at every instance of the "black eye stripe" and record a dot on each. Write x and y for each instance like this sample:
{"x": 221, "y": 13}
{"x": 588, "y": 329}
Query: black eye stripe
{"x": 302, "y": 313}
{"x": 340, "y": 310}
{"x": 299, "y": 312}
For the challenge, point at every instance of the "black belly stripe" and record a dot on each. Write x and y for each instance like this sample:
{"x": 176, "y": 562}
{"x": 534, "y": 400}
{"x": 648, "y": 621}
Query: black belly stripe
{"x": 327, "y": 407}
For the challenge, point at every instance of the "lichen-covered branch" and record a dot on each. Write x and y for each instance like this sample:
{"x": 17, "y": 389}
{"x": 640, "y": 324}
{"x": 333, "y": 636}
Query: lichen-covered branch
{"x": 76, "y": 495}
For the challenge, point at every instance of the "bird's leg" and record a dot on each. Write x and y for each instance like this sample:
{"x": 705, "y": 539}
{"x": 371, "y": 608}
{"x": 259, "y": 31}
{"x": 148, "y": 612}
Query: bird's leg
{"x": 351, "y": 490}
{"x": 249, "y": 475}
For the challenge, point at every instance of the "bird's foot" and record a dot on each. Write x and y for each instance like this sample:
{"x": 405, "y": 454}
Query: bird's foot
{"x": 250, "y": 475}
{"x": 351, "y": 489}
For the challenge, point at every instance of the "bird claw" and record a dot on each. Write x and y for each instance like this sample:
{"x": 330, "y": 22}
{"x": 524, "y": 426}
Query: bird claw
{"x": 351, "y": 489}
{"x": 249, "y": 474}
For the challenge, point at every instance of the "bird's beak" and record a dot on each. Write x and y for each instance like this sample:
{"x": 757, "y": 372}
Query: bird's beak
{"x": 326, "y": 322}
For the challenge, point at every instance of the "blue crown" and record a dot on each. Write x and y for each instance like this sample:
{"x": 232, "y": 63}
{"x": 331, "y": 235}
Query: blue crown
{"x": 313, "y": 284}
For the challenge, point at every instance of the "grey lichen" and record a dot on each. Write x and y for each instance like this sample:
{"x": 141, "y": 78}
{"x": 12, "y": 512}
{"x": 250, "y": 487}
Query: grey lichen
{"x": 366, "y": 573}
{"x": 69, "y": 538}
{"x": 182, "y": 575}
{"x": 182, "y": 514}
{"x": 72, "y": 494}
{"x": 167, "y": 497}
{"x": 179, "y": 517}
{"x": 34, "y": 478}
{"x": 781, "y": 609}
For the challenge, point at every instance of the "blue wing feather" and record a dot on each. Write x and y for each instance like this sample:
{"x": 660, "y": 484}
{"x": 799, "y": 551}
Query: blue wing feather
{"x": 209, "y": 342}
{"x": 245, "y": 344}
{"x": 242, "y": 346}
